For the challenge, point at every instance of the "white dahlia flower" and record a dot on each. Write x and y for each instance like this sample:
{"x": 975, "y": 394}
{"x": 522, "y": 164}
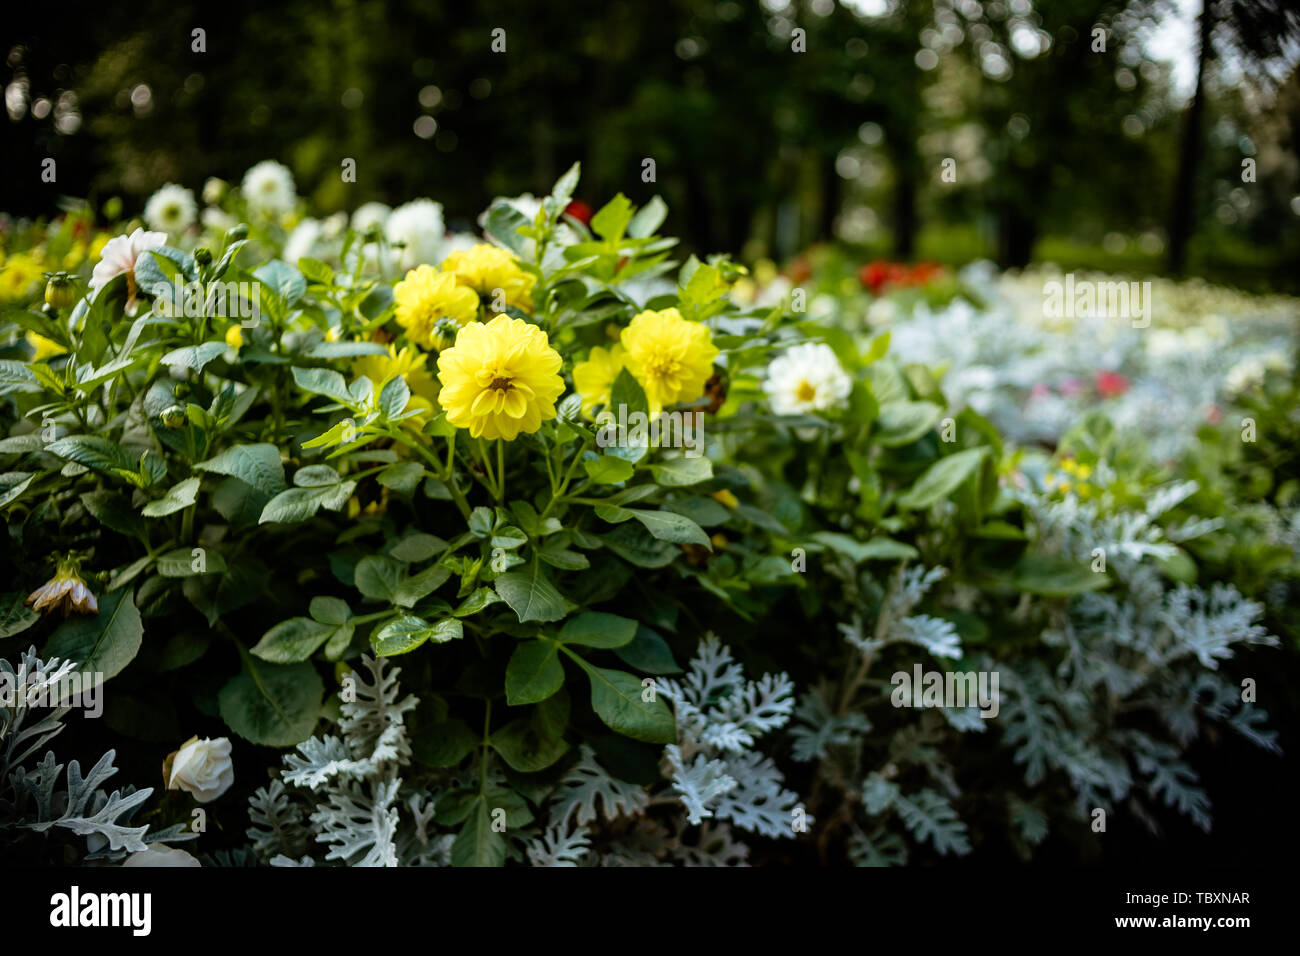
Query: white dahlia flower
{"x": 171, "y": 209}
{"x": 807, "y": 379}
{"x": 269, "y": 188}
{"x": 418, "y": 224}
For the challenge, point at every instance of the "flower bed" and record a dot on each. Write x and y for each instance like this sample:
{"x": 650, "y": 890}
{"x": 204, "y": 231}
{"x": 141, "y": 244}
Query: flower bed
{"x": 541, "y": 547}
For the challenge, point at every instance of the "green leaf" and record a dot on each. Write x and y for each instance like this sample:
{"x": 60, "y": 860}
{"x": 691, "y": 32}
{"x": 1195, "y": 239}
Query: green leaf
{"x": 480, "y": 599}
{"x": 534, "y": 673}
{"x": 195, "y": 356}
{"x": 648, "y": 218}
{"x": 612, "y": 218}
{"x": 13, "y": 484}
{"x": 183, "y": 562}
{"x": 1055, "y": 576}
{"x": 394, "y": 396}
{"x": 102, "y": 644}
{"x": 902, "y": 422}
{"x": 113, "y": 510}
{"x": 315, "y": 271}
{"x": 401, "y": 635}
{"x": 877, "y": 548}
{"x": 608, "y": 470}
{"x": 272, "y": 705}
{"x": 378, "y": 577}
{"x": 15, "y": 615}
{"x": 683, "y": 471}
{"x": 941, "y": 479}
{"x": 178, "y": 496}
{"x": 648, "y": 653}
{"x": 330, "y": 610}
{"x": 293, "y": 640}
{"x": 531, "y": 595}
{"x": 597, "y": 629}
{"x": 323, "y": 381}
{"x": 17, "y": 376}
{"x": 286, "y": 281}
{"x": 93, "y": 451}
{"x": 627, "y": 393}
{"x": 403, "y": 477}
{"x": 411, "y": 589}
{"x": 672, "y": 527}
{"x": 616, "y": 697}
{"x": 478, "y": 844}
{"x": 338, "y": 350}
{"x": 417, "y": 546}
{"x": 525, "y": 747}
{"x": 299, "y": 504}
{"x": 258, "y": 466}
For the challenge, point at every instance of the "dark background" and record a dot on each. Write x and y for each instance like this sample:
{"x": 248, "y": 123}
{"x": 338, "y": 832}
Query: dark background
{"x": 1064, "y": 154}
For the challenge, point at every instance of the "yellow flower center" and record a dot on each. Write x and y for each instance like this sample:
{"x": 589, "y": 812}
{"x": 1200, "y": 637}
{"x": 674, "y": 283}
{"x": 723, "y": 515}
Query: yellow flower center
{"x": 805, "y": 392}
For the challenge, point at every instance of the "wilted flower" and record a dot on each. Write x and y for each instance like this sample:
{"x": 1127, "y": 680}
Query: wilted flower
{"x": 66, "y": 592}
{"x": 269, "y": 188}
{"x": 671, "y": 357}
{"x": 202, "y": 768}
{"x": 500, "y": 378}
{"x": 808, "y": 378}
{"x": 171, "y": 209}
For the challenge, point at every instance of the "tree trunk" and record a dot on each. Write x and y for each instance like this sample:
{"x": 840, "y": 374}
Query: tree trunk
{"x": 1182, "y": 216}
{"x": 905, "y": 219}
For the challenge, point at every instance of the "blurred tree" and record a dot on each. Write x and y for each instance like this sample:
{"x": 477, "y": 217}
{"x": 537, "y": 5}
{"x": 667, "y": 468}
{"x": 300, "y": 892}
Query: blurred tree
{"x": 1257, "y": 34}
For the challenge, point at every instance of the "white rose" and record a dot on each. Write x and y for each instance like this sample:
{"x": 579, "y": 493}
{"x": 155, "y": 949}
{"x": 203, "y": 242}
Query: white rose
{"x": 203, "y": 768}
{"x": 163, "y": 856}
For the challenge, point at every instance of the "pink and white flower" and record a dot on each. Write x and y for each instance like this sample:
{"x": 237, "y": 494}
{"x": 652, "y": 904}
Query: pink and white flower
{"x": 120, "y": 255}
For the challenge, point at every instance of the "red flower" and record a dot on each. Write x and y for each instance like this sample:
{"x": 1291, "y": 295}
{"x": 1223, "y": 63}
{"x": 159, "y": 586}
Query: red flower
{"x": 580, "y": 211}
{"x": 1111, "y": 384}
{"x": 879, "y": 275}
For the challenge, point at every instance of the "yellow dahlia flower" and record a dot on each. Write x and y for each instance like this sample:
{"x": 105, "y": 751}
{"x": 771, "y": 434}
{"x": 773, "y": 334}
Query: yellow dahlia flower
{"x": 17, "y": 276}
{"x": 427, "y": 295}
{"x": 595, "y": 377}
{"x": 500, "y": 378}
{"x": 408, "y": 363}
{"x": 670, "y": 357}
{"x": 486, "y": 268}
{"x": 45, "y": 348}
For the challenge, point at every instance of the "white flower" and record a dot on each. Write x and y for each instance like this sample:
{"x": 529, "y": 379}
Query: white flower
{"x": 162, "y": 856}
{"x": 120, "y": 255}
{"x": 302, "y": 241}
{"x": 170, "y": 209}
{"x": 370, "y": 214}
{"x": 202, "y": 768}
{"x": 807, "y": 378}
{"x": 218, "y": 220}
{"x": 419, "y": 225}
{"x": 269, "y": 188}
{"x": 214, "y": 190}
